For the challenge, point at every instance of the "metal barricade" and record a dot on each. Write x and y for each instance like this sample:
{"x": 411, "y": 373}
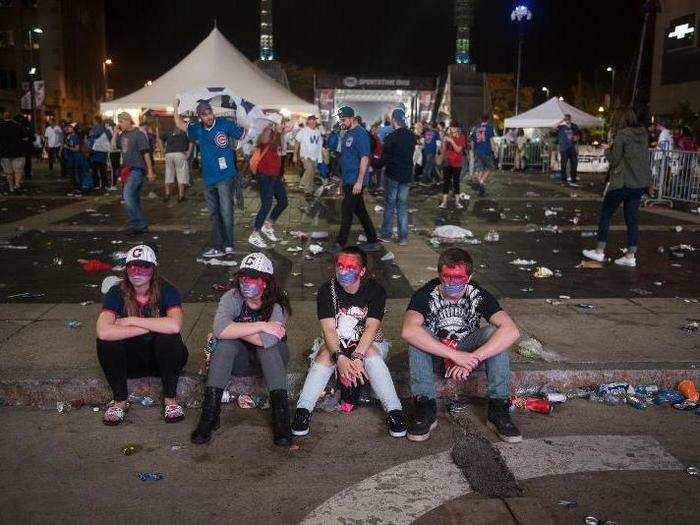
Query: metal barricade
{"x": 536, "y": 155}
{"x": 675, "y": 175}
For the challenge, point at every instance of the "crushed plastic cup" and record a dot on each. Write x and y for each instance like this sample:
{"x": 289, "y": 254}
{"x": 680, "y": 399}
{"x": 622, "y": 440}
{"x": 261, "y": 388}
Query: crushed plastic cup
{"x": 555, "y": 397}
{"x": 151, "y": 476}
{"x": 492, "y": 236}
{"x": 73, "y": 323}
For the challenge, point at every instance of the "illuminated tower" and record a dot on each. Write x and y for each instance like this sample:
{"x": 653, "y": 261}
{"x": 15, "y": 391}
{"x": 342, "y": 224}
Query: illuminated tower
{"x": 464, "y": 16}
{"x": 267, "y": 51}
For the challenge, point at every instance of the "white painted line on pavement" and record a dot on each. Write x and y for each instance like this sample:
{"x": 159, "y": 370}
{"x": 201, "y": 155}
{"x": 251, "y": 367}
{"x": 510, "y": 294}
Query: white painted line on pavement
{"x": 405, "y": 492}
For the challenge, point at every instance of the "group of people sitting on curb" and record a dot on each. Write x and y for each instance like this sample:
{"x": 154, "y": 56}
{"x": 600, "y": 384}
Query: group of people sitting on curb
{"x": 139, "y": 335}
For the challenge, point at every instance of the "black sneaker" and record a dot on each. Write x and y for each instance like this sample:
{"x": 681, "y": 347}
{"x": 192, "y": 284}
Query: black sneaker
{"x": 371, "y": 246}
{"x": 396, "y": 423}
{"x": 499, "y": 421}
{"x": 425, "y": 419}
{"x": 302, "y": 422}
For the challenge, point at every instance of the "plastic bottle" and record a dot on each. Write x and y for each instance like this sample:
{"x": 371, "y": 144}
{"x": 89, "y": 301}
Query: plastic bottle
{"x": 687, "y": 388}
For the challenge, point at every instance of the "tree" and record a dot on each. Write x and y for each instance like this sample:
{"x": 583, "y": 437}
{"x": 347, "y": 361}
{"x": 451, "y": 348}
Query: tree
{"x": 501, "y": 89}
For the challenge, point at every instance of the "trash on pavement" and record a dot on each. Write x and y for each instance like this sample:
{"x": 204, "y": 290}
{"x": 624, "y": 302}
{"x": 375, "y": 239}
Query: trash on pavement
{"x": 641, "y": 291}
{"x": 13, "y": 247}
{"x": 73, "y": 323}
{"x": 294, "y": 249}
{"x": 57, "y": 261}
{"x": 542, "y": 272}
{"x": 451, "y": 233}
{"x": 315, "y": 248}
{"x": 249, "y": 401}
{"x": 492, "y": 236}
{"x": 687, "y": 388}
{"x": 549, "y": 213}
{"x": 396, "y": 276}
{"x": 588, "y": 233}
{"x": 531, "y": 348}
{"x": 319, "y": 235}
{"x": 617, "y": 387}
{"x": 638, "y": 402}
{"x": 86, "y": 303}
{"x": 302, "y": 236}
{"x": 591, "y": 520}
{"x": 579, "y": 393}
{"x": 108, "y": 282}
{"x": 388, "y": 256}
{"x": 678, "y": 229}
{"x": 686, "y": 405}
{"x": 693, "y": 471}
{"x": 691, "y": 326}
{"x": 378, "y": 209}
{"x": 523, "y": 262}
{"x": 151, "y": 476}
{"x": 94, "y": 265}
{"x": 362, "y": 238}
{"x": 532, "y": 404}
{"x": 63, "y": 407}
{"x": 668, "y": 396}
{"x": 589, "y": 264}
{"x": 309, "y": 285}
{"x": 585, "y": 306}
{"x": 130, "y": 449}
{"x": 555, "y": 397}
{"x": 217, "y": 262}
{"x": 646, "y": 389}
{"x": 26, "y": 295}
{"x": 569, "y": 504}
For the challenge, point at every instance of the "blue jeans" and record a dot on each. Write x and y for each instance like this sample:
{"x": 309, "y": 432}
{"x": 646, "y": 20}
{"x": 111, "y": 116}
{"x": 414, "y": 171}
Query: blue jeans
{"x": 132, "y": 199}
{"x": 428, "y": 167}
{"x": 270, "y": 187}
{"x": 395, "y": 198}
{"x": 630, "y": 199}
{"x": 497, "y": 367}
{"x": 219, "y": 201}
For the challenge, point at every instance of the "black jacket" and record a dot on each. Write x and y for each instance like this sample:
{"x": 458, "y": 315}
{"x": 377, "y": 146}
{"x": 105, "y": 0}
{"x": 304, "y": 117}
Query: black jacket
{"x": 397, "y": 155}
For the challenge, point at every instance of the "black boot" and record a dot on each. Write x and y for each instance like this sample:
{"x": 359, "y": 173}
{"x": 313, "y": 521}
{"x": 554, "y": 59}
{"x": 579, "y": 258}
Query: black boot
{"x": 281, "y": 426}
{"x": 499, "y": 421}
{"x": 425, "y": 419}
{"x": 209, "y": 419}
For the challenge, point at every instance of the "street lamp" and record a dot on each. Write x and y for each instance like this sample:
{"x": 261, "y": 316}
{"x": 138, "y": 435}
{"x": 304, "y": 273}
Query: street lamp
{"x": 106, "y": 62}
{"x": 546, "y": 89}
{"x": 32, "y": 74}
{"x": 611, "y": 70}
{"x": 520, "y": 14}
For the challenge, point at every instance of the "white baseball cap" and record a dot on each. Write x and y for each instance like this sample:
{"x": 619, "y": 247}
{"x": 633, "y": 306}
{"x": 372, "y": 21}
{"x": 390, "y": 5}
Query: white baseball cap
{"x": 141, "y": 253}
{"x": 256, "y": 263}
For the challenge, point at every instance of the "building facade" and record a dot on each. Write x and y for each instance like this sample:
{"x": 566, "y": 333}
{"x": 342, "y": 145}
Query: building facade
{"x": 675, "y": 74}
{"x": 67, "y": 49}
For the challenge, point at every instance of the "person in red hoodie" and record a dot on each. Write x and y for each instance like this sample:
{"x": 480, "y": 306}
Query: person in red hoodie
{"x": 265, "y": 162}
{"x": 685, "y": 141}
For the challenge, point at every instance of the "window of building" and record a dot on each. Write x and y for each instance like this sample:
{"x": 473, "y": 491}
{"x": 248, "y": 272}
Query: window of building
{"x": 7, "y": 38}
{"x": 8, "y": 79}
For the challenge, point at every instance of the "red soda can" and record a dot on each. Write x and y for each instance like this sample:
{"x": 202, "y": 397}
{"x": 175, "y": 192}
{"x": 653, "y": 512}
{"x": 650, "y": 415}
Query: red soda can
{"x": 533, "y": 404}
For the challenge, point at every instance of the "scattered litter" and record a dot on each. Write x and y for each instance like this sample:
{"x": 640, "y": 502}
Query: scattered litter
{"x": 294, "y": 249}
{"x": 668, "y": 396}
{"x": 130, "y": 449}
{"x": 431, "y": 268}
{"x": 63, "y": 407}
{"x": 388, "y": 256}
{"x": 296, "y": 274}
{"x": 588, "y": 234}
{"x": 687, "y": 388}
{"x": 646, "y": 389}
{"x": 73, "y": 323}
{"x": 309, "y": 285}
{"x": 95, "y": 409}
{"x": 435, "y": 241}
{"x": 152, "y": 195}
{"x": 591, "y": 265}
{"x": 151, "y": 476}
{"x": 218, "y": 262}
{"x": 13, "y": 247}
{"x": 691, "y": 326}
{"x": 319, "y": 235}
{"x": 532, "y": 404}
{"x": 555, "y": 397}
{"x": 553, "y": 302}
{"x": 523, "y": 262}
{"x": 692, "y": 301}
{"x": 586, "y": 306}
{"x": 564, "y": 297}
{"x": 641, "y": 291}
{"x": 658, "y": 283}
{"x": 378, "y": 209}
{"x": 396, "y": 276}
{"x": 57, "y": 261}
{"x": 531, "y": 194}
{"x": 94, "y": 265}
{"x": 527, "y": 290}
{"x": 187, "y": 231}
{"x": 531, "y": 348}
{"x": 616, "y": 387}
{"x": 117, "y": 242}
{"x": 315, "y": 248}
{"x": 492, "y": 236}
{"x": 451, "y": 233}
{"x": 147, "y": 401}
{"x": 591, "y": 520}
{"x": 107, "y": 284}
{"x": 176, "y": 446}
{"x": 567, "y": 503}
{"x": 248, "y": 401}
{"x": 412, "y": 210}
{"x": 467, "y": 240}
{"x": 542, "y": 272}
{"x": 678, "y": 229}
{"x": 362, "y": 238}
{"x": 549, "y": 213}
{"x": 693, "y": 471}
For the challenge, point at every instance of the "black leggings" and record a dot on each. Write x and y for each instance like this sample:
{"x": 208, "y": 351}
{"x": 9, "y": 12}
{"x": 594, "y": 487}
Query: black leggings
{"x": 151, "y": 355}
{"x": 101, "y": 178}
{"x": 115, "y": 159}
{"x": 450, "y": 175}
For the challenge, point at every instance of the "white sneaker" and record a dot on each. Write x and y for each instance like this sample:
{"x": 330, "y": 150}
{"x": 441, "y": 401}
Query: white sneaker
{"x": 212, "y": 252}
{"x": 595, "y": 255}
{"x": 256, "y": 240}
{"x": 458, "y": 205}
{"x": 626, "y": 261}
{"x": 442, "y": 205}
{"x": 228, "y": 250}
{"x": 269, "y": 232}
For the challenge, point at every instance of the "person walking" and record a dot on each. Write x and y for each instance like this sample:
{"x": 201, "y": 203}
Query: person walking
{"x": 115, "y": 156}
{"x": 568, "y": 135}
{"x": 215, "y": 137}
{"x": 453, "y": 147}
{"x": 629, "y": 179}
{"x": 100, "y": 141}
{"x": 309, "y": 146}
{"x": 265, "y": 162}
{"x": 12, "y": 152}
{"x": 136, "y": 169}
{"x": 482, "y": 136}
{"x": 178, "y": 148}
{"x": 431, "y": 142}
{"x": 53, "y": 136}
{"x": 397, "y": 160}
{"x": 354, "y": 160}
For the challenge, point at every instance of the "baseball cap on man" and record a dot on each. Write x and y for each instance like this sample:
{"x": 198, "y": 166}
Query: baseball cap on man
{"x": 399, "y": 115}
{"x": 141, "y": 254}
{"x": 346, "y": 112}
{"x": 256, "y": 264}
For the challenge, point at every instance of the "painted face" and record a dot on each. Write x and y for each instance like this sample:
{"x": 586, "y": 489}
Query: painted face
{"x": 251, "y": 287}
{"x": 454, "y": 280}
{"x": 348, "y": 269}
{"x": 139, "y": 275}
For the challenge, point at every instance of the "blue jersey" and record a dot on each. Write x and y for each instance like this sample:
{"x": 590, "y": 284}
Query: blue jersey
{"x": 565, "y": 136}
{"x": 218, "y": 156}
{"x": 430, "y": 140}
{"x": 332, "y": 143}
{"x": 355, "y": 145}
{"x": 481, "y": 136}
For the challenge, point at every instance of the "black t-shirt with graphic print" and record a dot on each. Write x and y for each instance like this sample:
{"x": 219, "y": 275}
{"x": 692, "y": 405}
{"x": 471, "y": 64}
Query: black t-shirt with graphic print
{"x": 353, "y": 309}
{"x": 453, "y": 320}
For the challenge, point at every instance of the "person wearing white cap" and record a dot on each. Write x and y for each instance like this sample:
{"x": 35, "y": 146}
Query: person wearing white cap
{"x": 138, "y": 334}
{"x": 309, "y": 149}
{"x": 251, "y": 318}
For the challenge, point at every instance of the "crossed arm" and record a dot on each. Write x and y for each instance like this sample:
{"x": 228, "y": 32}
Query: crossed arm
{"x": 109, "y": 328}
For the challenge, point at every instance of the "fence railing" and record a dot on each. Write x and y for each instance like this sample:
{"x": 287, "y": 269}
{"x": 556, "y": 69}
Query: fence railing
{"x": 675, "y": 175}
{"x": 535, "y": 155}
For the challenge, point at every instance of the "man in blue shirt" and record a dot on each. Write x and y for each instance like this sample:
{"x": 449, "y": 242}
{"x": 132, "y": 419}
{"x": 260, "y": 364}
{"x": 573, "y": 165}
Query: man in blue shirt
{"x": 384, "y": 130}
{"x": 215, "y": 138}
{"x": 481, "y": 136}
{"x": 567, "y": 136}
{"x": 354, "y": 159}
{"x": 431, "y": 137}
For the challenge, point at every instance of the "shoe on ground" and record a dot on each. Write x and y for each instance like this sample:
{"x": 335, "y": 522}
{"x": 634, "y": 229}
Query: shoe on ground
{"x": 302, "y": 422}
{"x": 594, "y": 255}
{"x": 458, "y": 206}
{"x": 403, "y": 243}
{"x": 396, "y": 423}
{"x": 574, "y": 184}
{"x": 371, "y": 246}
{"x": 442, "y": 205}
{"x": 256, "y": 240}
{"x": 381, "y": 238}
{"x": 281, "y": 428}
{"x": 228, "y": 250}
{"x": 626, "y": 261}
{"x": 269, "y": 232}
{"x": 499, "y": 421}
{"x": 425, "y": 419}
{"x": 209, "y": 419}
{"x": 213, "y": 252}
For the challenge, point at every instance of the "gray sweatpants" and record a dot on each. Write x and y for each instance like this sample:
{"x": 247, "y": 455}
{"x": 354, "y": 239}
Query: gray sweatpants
{"x": 273, "y": 361}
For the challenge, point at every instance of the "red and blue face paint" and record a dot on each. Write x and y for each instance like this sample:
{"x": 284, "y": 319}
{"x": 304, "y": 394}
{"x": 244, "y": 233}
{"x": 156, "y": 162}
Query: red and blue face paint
{"x": 251, "y": 287}
{"x": 139, "y": 274}
{"x": 347, "y": 269}
{"x": 454, "y": 280}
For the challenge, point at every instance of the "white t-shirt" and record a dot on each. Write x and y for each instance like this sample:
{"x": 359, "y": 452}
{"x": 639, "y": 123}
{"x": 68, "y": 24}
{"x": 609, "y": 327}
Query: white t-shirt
{"x": 310, "y": 143}
{"x": 54, "y": 136}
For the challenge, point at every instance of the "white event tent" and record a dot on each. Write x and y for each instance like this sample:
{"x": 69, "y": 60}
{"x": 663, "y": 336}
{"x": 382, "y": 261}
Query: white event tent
{"x": 214, "y": 62}
{"x": 550, "y": 113}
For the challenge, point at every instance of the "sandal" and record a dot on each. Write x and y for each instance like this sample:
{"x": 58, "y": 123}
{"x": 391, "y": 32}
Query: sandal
{"x": 114, "y": 415}
{"x": 173, "y": 413}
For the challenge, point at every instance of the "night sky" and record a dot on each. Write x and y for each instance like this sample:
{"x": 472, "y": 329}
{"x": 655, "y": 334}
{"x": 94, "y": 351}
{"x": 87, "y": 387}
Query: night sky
{"x": 380, "y": 37}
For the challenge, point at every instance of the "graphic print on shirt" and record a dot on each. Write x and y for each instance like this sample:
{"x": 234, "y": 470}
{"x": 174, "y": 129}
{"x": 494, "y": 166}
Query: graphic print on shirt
{"x": 348, "y": 142}
{"x": 454, "y": 320}
{"x": 350, "y": 323}
{"x": 221, "y": 139}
